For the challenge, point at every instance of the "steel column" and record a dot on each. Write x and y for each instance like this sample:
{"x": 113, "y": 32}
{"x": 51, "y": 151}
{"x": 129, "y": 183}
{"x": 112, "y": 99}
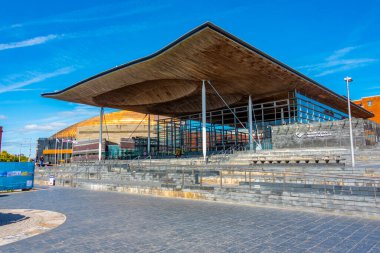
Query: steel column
{"x": 250, "y": 123}
{"x": 100, "y": 132}
{"x": 204, "y": 147}
{"x": 348, "y": 79}
{"x": 148, "y": 144}
{"x": 158, "y": 134}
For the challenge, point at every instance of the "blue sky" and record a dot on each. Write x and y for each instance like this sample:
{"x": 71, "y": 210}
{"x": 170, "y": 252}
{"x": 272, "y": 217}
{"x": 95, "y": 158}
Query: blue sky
{"x": 49, "y": 45}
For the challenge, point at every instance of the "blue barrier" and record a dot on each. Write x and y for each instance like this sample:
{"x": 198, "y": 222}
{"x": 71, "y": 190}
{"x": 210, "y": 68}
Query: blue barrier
{"x": 16, "y": 175}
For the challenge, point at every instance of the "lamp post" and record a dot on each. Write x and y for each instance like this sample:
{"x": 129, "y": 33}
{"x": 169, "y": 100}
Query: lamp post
{"x": 348, "y": 80}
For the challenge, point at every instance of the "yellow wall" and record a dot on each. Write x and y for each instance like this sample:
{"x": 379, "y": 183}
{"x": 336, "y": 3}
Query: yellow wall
{"x": 57, "y": 151}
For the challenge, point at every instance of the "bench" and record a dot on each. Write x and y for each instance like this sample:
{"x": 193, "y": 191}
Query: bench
{"x": 296, "y": 159}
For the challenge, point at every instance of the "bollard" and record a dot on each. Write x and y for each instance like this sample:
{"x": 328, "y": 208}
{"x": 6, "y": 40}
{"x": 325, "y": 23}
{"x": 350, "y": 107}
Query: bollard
{"x": 183, "y": 178}
{"x": 250, "y": 185}
{"x": 201, "y": 174}
{"x": 221, "y": 179}
{"x": 374, "y": 190}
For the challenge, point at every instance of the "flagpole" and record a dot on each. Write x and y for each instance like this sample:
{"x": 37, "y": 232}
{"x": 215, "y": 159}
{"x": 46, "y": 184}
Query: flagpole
{"x": 67, "y": 147}
{"x": 61, "y": 149}
{"x": 55, "y": 150}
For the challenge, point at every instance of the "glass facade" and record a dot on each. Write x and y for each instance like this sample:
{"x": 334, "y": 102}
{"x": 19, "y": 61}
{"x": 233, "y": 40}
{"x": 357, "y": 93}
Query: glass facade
{"x": 310, "y": 110}
{"x": 227, "y": 128}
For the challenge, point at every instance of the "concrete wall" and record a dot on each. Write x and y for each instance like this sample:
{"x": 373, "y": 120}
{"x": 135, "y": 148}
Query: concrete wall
{"x": 363, "y": 206}
{"x": 339, "y": 192}
{"x": 319, "y": 134}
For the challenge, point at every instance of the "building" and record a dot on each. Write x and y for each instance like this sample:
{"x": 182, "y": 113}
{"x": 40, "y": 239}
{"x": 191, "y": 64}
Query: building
{"x": 371, "y": 104}
{"x": 54, "y": 150}
{"x": 216, "y": 93}
{"x": 80, "y": 140}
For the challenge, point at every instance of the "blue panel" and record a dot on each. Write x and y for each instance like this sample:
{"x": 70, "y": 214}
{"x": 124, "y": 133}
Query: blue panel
{"x": 15, "y": 175}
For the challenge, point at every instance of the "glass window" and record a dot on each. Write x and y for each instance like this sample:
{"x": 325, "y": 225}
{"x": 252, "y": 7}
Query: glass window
{"x": 369, "y": 103}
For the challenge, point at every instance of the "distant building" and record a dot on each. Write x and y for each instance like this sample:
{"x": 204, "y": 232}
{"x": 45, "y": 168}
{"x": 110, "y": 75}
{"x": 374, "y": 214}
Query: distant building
{"x": 54, "y": 150}
{"x": 371, "y": 104}
{"x": 80, "y": 141}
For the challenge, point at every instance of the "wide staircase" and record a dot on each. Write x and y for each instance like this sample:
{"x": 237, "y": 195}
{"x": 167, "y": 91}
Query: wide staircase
{"x": 316, "y": 161}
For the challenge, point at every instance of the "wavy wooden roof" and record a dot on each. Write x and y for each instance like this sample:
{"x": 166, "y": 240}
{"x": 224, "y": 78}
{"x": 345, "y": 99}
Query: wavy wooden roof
{"x": 169, "y": 81}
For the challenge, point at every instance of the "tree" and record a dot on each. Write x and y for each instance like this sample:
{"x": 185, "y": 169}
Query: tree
{"x": 6, "y": 157}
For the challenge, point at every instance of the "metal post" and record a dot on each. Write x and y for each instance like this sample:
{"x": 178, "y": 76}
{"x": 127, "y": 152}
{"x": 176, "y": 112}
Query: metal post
{"x": 61, "y": 148}
{"x": 190, "y": 136}
{"x": 250, "y": 123}
{"x": 221, "y": 178}
{"x": 250, "y": 185}
{"x": 235, "y": 127}
{"x": 349, "y": 79}
{"x": 55, "y": 150}
{"x": 100, "y": 132}
{"x": 183, "y": 178}
{"x": 148, "y": 144}
{"x": 158, "y": 134}
{"x": 223, "y": 144}
{"x": 174, "y": 135}
{"x": 204, "y": 147}
{"x": 282, "y": 116}
{"x": 200, "y": 179}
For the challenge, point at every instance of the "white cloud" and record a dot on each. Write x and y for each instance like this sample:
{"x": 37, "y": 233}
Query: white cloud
{"x": 95, "y": 13}
{"x": 340, "y": 53}
{"x": 35, "y": 78}
{"x": 3, "y": 116}
{"x": 336, "y": 62}
{"x": 45, "y": 127}
{"x": 26, "y": 89}
{"x": 78, "y": 113}
{"x": 14, "y": 102}
{"x": 374, "y": 88}
{"x": 28, "y": 43}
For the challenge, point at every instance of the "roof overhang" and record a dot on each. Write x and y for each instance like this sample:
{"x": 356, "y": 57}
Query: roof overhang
{"x": 169, "y": 81}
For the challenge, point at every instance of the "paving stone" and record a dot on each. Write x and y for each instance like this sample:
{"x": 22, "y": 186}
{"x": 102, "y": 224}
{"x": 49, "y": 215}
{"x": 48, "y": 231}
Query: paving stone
{"x": 115, "y": 222}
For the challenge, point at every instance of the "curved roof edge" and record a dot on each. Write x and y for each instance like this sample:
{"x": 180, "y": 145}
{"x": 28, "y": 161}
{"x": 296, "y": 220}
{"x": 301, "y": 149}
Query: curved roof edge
{"x": 224, "y": 33}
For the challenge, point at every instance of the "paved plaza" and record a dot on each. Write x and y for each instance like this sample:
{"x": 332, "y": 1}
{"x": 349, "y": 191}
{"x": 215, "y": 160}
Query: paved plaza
{"x": 115, "y": 222}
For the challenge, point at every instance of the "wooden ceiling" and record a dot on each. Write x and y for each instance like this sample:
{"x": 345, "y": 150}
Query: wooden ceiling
{"x": 169, "y": 81}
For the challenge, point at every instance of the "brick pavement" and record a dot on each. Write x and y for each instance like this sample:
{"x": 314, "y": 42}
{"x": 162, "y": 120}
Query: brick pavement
{"x": 18, "y": 224}
{"x": 115, "y": 222}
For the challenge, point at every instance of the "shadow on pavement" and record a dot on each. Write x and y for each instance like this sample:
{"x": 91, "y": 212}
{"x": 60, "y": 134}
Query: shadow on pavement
{"x": 9, "y": 218}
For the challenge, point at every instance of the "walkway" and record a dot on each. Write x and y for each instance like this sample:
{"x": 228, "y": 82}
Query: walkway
{"x": 115, "y": 222}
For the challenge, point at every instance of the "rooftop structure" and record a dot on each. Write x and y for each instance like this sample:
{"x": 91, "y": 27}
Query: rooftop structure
{"x": 217, "y": 92}
{"x": 168, "y": 82}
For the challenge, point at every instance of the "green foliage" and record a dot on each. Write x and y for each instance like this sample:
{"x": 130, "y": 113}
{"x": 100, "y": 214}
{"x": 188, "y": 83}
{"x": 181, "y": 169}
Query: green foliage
{"x": 6, "y": 157}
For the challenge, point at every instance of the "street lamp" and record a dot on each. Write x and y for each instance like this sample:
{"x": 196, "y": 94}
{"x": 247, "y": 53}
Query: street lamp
{"x": 348, "y": 80}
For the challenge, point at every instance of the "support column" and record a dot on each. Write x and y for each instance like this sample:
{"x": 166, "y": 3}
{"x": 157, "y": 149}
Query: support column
{"x": 250, "y": 123}
{"x": 148, "y": 144}
{"x": 204, "y": 147}
{"x": 158, "y": 134}
{"x": 100, "y": 132}
{"x": 235, "y": 128}
{"x": 223, "y": 142}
